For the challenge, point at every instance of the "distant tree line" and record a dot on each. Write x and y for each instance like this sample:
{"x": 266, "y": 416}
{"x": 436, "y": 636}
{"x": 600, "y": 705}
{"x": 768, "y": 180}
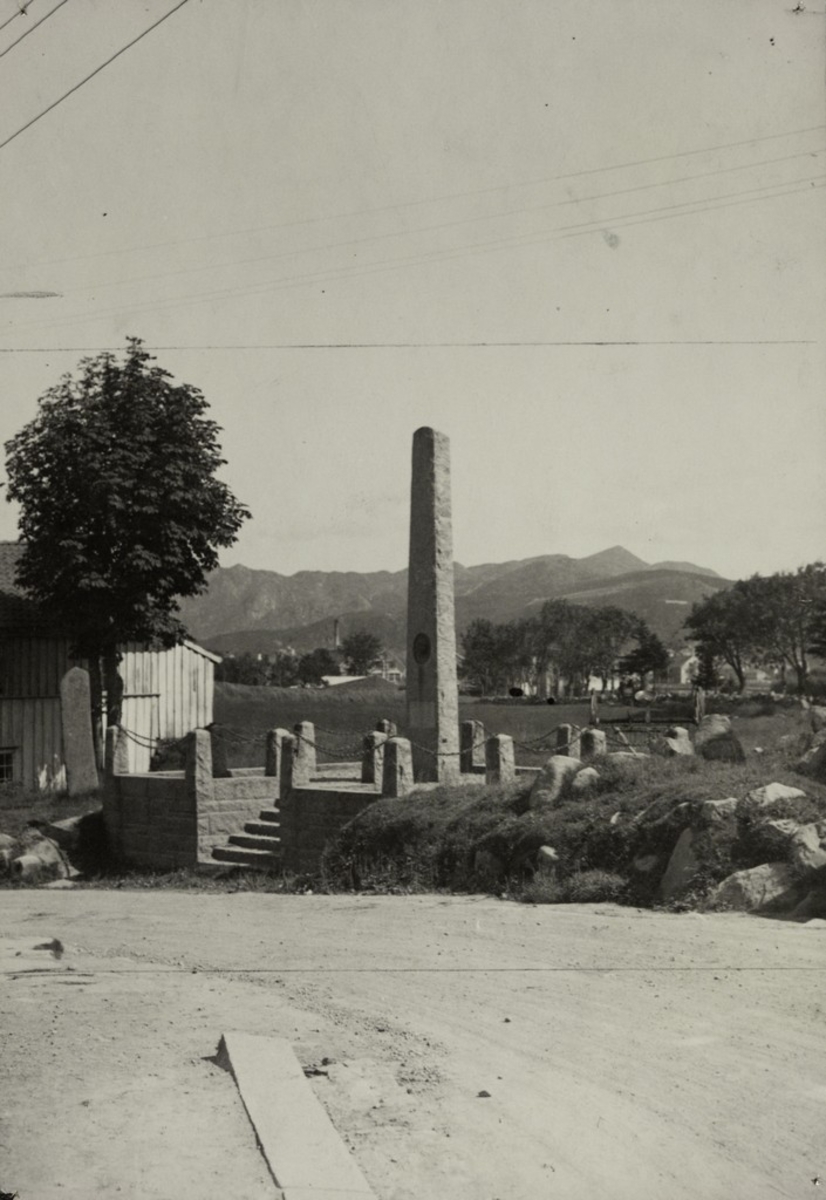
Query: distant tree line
{"x": 776, "y": 621}
{"x": 359, "y": 652}
{"x": 568, "y": 641}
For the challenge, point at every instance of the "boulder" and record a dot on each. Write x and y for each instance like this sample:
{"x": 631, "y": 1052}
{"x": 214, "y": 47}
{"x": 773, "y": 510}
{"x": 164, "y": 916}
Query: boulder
{"x": 813, "y": 761}
{"x": 547, "y": 860}
{"x": 763, "y": 797}
{"x": 682, "y": 867}
{"x": 756, "y": 888}
{"x": 585, "y": 780}
{"x": 646, "y": 863}
{"x": 719, "y": 810}
{"x": 9, "y": 847}
{"x": 715, "y": 739}
{"x": 677, "y": 742}
{"x": 551, "y": 780}
{"x": 807, "y": 848}
{"x": 41, "y": 859}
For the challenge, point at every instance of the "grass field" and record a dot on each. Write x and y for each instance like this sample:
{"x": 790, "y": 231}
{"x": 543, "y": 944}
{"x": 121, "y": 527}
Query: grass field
{"x": 342, "y": 715}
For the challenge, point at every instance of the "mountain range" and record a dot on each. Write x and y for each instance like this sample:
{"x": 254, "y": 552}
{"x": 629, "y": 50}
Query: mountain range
{"x": 257, "y": 611}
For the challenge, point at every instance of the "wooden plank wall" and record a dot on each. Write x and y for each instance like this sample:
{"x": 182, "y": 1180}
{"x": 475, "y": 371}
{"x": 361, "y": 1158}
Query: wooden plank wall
{"x": 166, "y": 694}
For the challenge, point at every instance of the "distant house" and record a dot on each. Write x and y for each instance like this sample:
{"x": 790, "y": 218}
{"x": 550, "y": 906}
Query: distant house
{"x": 166, "y": 692}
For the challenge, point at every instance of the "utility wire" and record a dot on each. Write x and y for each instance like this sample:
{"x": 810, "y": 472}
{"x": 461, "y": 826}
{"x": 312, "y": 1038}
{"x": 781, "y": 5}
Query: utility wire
{"x": 92, "y": 74}
{"x": 618, "y": 221}
{"x": 382, "y": 237}
{"x": 20, "y": 12}
{"x": 435, "y": 199}
{"x": 412, "y": 345}
{"x": 32, "y": 28}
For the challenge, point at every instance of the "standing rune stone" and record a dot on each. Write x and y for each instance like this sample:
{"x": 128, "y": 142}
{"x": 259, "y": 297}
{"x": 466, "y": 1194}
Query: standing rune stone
{"x": 76, "y": 724}
{"x": 432, "y": 690}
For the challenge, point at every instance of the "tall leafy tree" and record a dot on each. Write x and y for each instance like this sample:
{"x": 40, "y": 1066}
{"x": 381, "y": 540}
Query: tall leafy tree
{"x": 121, "y": 509}
{"x": 312, "y": 667}
{"x": 724, "y": 626}
{"x": 784, "y": 613}
{"x": 649, "y": 655}
{"x": 361, "y": 650}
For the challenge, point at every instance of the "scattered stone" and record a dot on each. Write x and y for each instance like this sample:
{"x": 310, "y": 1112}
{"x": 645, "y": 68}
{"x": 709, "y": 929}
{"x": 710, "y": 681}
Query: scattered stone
{"x": 719, "y": 810}
{"x": 807, "y": 849}
{"x": 678, "y": 742}
{"x": 59, "y": 885}
{"x": 551, "y": 779}
{"x": 756, "y": 888}
{"x": 585, "y": 780}
{"x": 715, "y": 739}
{"x": 813, "y": 761}
{"x": 682, "y": 867}
{"x": 646, "y": 863}
{"x": 483, "y": 1095}
{"x": 547, "y": 860}
{"x": 763, "y": 797}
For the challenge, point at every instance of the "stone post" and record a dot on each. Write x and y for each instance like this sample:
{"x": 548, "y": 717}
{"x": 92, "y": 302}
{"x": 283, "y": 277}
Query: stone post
{"x": 372, "y": 761}
{"x": 387, "y": 727}
{"x": 198, "y": 770}
{"x": 218, "y": 745}
{"x": 117, "y": 752}
{"x": 500, "y": 766}
{"x": 76, "y": 726}
{"x": 278, "y": 756}
{"x": 432, "y": 689}
{"x": 568, "y": 740}
{"x": 472, "y": 745}
{"x": 397, "y": 774}
{"x": 304, "y": 757}
{"x": 593, "y": 744}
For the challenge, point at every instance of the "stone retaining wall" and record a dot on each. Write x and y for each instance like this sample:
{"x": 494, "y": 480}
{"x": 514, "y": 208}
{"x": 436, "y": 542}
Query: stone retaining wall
{"x": 172, "y": 819}
{"x": 310, "y": 817}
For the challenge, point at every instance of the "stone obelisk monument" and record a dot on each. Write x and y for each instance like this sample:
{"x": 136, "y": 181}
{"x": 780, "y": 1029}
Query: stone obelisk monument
{"x": 432, "y": 691}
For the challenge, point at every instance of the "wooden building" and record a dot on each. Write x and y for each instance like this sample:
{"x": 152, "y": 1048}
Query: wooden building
{"x": 166, "y": 692}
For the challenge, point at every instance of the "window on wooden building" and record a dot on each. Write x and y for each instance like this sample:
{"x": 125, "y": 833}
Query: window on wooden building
{"x": 6, "y": 766}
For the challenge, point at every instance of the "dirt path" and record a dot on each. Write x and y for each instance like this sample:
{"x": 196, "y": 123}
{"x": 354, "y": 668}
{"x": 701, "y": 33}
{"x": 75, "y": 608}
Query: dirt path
{"x": 476, "y": 1050}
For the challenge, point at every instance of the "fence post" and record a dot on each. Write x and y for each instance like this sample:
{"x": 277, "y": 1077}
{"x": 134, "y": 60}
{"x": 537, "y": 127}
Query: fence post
{"x": 279, "y": 751}
{"x": 500, "y": 765}
{"x": 117, "y": 752}
{"x": 568, "y": 740}
{"x": 198, "y": 771}
{"x": 218, "y": 745}
{"x": 471, "y": 746}
{"x": 387, "y": 727}
{"x": 304, "y": 756}
{"x": 372, "y": 759}
{"x": 397, "y": 774}
{"x": 593, "y": 743}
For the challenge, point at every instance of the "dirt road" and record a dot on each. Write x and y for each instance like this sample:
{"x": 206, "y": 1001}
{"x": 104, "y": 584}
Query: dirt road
{"x": 468, "y": 1049}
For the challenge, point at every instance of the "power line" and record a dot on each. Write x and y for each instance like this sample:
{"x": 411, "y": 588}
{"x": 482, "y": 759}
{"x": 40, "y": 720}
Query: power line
{"x": 487, "y": 345}
{"x": 620, "y": 221}
{"x": 32, "y": 28}
{"x": 435, "y": 199}
{"x": 20, "y": 12}
{"x": 92, "y": 74}
{"x": 409, "y": 233}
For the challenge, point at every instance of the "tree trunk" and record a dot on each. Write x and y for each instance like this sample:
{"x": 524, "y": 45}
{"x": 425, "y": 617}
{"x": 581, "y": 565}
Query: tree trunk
{"x": 96, "y": 693}
{"x": 113, "y": 684}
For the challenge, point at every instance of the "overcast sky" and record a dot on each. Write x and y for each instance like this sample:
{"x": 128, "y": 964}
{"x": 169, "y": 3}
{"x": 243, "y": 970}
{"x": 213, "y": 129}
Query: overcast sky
{"x": 344, "y": 219}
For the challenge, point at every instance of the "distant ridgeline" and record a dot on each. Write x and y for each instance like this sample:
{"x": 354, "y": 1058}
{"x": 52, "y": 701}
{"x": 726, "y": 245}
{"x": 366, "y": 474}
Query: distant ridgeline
{"x": 261, "y": 612}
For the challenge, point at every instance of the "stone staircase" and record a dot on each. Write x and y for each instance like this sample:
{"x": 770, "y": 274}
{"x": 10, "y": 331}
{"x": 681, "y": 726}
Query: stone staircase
{"x": 258, "y": 847}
